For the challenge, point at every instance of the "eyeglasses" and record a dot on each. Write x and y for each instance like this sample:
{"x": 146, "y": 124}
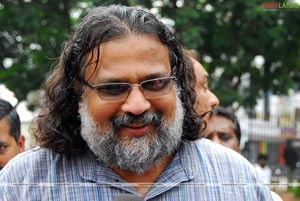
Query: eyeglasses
{"x": 120, "y": 91}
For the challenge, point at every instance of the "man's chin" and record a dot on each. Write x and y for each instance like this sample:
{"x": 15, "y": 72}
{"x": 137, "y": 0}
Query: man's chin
{"x": 128, "y": 140}
{"x": 137, "y": 168}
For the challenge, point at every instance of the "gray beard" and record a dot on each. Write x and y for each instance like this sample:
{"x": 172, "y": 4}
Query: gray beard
{"x": 135, "y": 154}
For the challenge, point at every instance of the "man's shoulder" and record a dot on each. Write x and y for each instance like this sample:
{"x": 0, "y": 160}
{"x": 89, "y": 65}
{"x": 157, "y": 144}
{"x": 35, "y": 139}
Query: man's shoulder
{"x": 207, "y": 148}
{"x": 213, "y": 165}
{"x": 211, "y": 155}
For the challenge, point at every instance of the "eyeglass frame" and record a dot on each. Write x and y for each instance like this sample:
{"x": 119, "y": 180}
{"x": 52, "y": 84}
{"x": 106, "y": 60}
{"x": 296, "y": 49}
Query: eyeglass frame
{"x": 91, "y": 86}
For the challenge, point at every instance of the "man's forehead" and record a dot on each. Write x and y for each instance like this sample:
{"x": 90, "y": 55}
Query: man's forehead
{"x": 199, "y": 69}
{"x": 135, "y": 51}
{"x": 216, "y": 118}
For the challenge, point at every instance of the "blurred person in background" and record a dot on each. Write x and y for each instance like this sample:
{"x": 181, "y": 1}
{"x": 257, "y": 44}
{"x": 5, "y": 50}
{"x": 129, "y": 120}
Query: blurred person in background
{"x": 11, "y": 140}
{"x": 262, "y": 169}
{"x": 205, "y": 98}
{"x": 291, "y": 157}
{"x": 265, "y": 173}
{"x": 223, "y": 127}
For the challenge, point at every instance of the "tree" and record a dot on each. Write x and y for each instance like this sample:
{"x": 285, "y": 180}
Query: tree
{"x": 31, "y": 36}
{"x": 230, "y": 35}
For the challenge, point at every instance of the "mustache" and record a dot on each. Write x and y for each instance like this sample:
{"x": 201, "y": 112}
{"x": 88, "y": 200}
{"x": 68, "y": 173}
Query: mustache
{"x": 154, "y": 118}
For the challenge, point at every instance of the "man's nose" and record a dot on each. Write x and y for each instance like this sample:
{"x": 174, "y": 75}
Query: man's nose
{"x": 213, "y": 99}
{"x": 136, "y": 103}
{"x": 216, "y": 139}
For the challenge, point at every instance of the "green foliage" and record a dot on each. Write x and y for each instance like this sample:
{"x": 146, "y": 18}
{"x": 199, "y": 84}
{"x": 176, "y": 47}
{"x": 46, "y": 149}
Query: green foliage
{"x": 233, "y": 33}
{"x": 31, "y": 35}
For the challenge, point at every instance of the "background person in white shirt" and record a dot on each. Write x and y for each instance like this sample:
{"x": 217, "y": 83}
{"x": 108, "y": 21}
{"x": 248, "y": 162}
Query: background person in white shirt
{"x": 262, "y": 169}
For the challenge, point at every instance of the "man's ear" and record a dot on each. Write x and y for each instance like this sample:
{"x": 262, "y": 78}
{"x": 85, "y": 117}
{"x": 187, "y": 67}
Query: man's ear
{"x": 21, "y": 143}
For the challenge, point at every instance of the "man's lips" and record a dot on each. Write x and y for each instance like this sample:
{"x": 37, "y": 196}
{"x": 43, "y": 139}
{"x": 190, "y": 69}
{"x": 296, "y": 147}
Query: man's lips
{"x": 134, "y": 130}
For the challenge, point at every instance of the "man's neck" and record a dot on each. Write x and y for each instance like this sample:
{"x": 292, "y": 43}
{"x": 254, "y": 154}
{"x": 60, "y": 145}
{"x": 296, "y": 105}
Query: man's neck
{"x": 148, "y": 177}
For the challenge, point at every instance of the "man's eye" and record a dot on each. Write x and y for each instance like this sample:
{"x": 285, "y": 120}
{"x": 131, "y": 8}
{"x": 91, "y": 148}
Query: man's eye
{"x": 113, "y": 89}
{"x": 2, "y": 148}
{"x": 204, "y": 87}
{"x": 209, "y": 136}
{"x": 156, "y": 84}
{"x": 225, "y": 136}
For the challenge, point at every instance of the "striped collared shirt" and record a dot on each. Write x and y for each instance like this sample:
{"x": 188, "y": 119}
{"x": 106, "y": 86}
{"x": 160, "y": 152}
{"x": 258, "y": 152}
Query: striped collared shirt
{"x": 199, "y": 170}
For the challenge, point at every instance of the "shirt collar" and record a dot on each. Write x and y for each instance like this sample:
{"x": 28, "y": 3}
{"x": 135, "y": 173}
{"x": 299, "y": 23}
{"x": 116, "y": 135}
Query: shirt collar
{"x": 96, "y": 171}
{"x": 174, "y": 174}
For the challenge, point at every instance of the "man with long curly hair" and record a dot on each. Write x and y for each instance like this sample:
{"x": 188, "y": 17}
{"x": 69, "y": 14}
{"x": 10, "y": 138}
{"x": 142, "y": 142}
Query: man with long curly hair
{"x": 118, "y": 123}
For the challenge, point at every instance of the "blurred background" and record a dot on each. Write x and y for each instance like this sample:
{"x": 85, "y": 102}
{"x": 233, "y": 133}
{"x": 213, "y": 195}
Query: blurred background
{"x": 250, "y": 48}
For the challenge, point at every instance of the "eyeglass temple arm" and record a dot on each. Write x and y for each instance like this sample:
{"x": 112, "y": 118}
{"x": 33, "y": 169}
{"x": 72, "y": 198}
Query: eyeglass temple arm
{"x": 88, "y": 84}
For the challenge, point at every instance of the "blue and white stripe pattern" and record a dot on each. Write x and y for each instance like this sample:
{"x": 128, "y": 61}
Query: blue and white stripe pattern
{"x": 200, "y": 171}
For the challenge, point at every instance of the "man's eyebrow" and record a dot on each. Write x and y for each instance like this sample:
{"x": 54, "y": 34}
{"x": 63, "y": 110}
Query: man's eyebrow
{"x": 110, "y": 80}
{"x": 2, "y": 143}
{"x": 148, "y": 77}
{"x": 205, "y": 77}
{"x": 156, "y": 75}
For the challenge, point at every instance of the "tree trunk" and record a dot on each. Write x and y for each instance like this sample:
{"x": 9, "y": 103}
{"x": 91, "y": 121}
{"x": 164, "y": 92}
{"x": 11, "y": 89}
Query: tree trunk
{"x": 267, "y": 95}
